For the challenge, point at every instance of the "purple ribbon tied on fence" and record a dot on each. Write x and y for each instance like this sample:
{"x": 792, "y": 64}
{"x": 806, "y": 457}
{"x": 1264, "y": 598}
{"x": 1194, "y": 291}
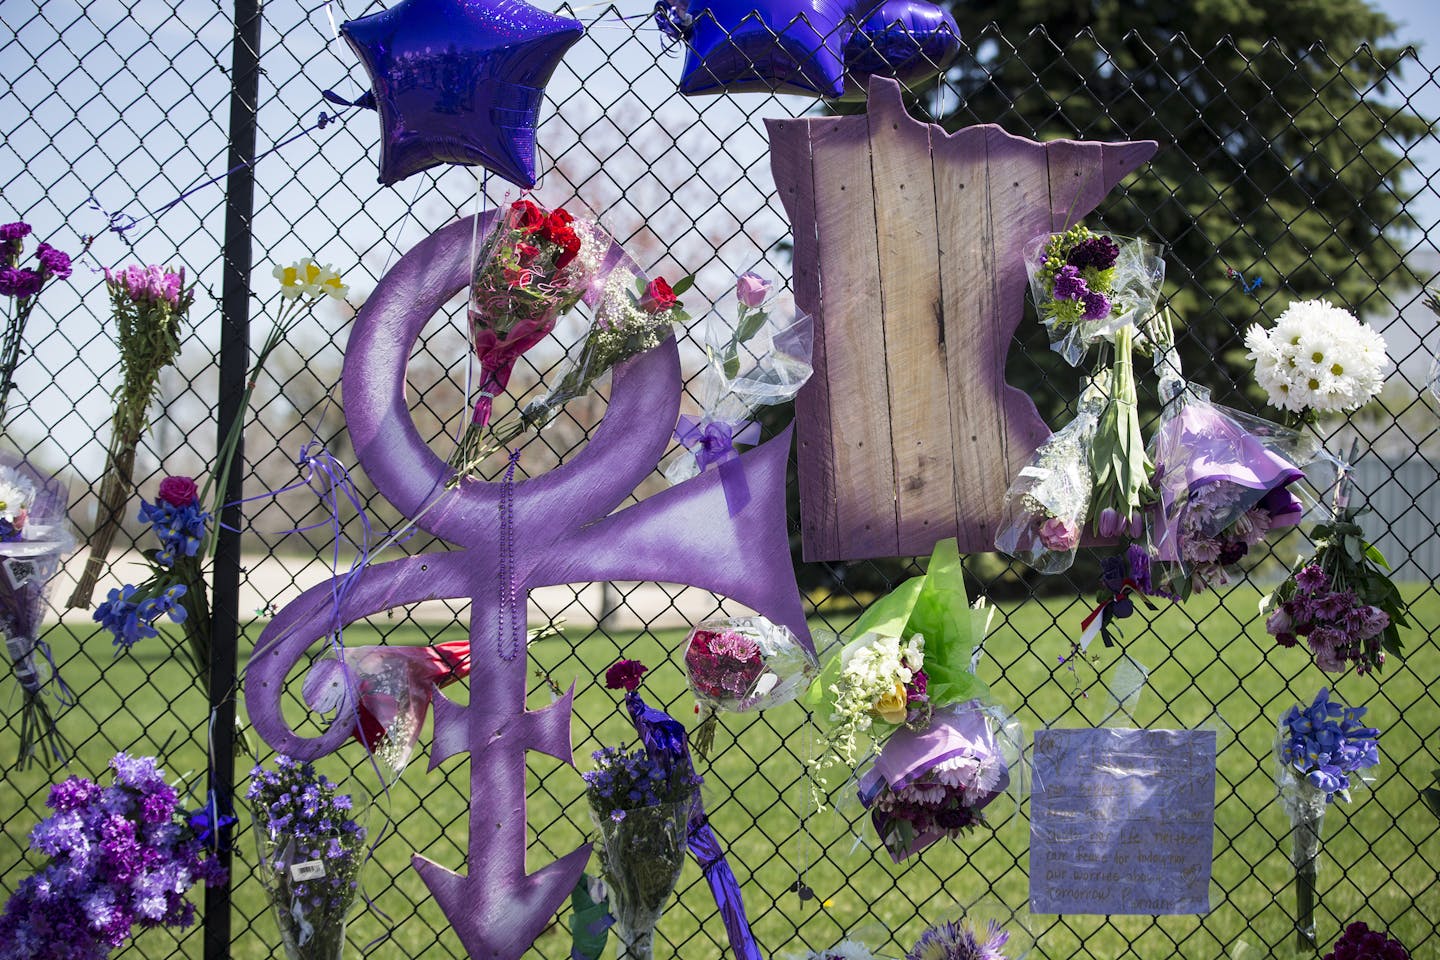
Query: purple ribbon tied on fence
{"x": 712, "y": 442}
{"x": 667, "y": 744}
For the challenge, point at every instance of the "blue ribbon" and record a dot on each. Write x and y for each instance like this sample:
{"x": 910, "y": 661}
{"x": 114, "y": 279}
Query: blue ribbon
{"x": 712, "y": 442}
{"x": 666, "y": 743}
{"x": 674, "y": 21}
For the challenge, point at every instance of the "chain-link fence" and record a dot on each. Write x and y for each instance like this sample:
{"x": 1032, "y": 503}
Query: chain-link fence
{"x": 1301, "y": 165}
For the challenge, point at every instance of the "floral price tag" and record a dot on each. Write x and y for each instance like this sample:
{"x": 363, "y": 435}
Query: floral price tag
{"x": 309, "y": 870}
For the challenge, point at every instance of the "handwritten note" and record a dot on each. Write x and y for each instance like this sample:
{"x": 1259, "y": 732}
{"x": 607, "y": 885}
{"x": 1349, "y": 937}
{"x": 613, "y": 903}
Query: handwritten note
{"x": 1122, "y": 821}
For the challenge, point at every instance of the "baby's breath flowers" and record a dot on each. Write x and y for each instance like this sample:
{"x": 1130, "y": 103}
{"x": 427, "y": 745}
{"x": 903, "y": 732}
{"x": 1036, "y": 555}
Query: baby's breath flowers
{"x": 1318, "y": 358}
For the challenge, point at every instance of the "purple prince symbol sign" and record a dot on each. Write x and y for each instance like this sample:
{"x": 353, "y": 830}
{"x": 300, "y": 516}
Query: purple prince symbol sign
{"x": 565, "y": 526}
{"x": 1122, "y": 821}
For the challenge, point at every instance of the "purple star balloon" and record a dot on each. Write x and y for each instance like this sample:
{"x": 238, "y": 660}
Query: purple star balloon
{"x": 784, "y": 46}
{"x": 565, "y": 526}
{"x": 460, "y": 81}
{"x": 824, "y": 48}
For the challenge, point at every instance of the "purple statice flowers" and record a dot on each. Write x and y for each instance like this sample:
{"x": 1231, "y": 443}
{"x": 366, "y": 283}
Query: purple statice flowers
{"x": 180, "y": 529}
{"x": 1338, "y": 627}
{"x": 119, "y": 856}
{"x": 960, "y": 941}
{"x": 131, "y": 620}
{"x": 624, "y": 781}
{"x": 1325, "y": 743}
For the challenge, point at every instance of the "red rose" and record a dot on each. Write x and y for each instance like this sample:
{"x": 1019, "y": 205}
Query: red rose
{"x": 518, "y": 277}
{"x": 658, "y": 296}
{"x": 178, "y": 491}
{"x": 527, "y": 251}
{"x": 527, "y": 216}
{"x": 569, "y": 244}
{"x": 624, "y": 673}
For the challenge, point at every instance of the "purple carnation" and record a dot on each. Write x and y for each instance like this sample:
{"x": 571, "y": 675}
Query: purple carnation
{"x": 1096, "y": 253}
{"x": 53, "y": 262}
{"x": 19, "y": 282}
{"x": 1069, "y": 285}
{"x": 1097, "y": 305}
{"x": 14, "y": 231}
{"x": 74, "y": 793}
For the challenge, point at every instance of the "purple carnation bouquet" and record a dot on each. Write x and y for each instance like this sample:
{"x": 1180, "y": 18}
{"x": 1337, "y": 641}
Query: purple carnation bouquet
{"x": 311, "y": 850}
{"x": 1223, "y": 478}
{"x": 34, "y": 538}
{"x": 1087, "y": 285}
{"x": 120, "y": 856}
{"x": 1359, "y": 942}
{"x": 1321, "y": 750}
{"x": 20, "y": 285}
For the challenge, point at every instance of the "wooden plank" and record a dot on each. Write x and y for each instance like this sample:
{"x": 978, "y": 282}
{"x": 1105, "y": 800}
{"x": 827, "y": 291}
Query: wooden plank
{"x": 849, "y": 262}
{"x": 1077, "y": 181}
{"x": 790, "y": 153}
{"x": 894, "y": 393}
{"x": 912, "y": 313}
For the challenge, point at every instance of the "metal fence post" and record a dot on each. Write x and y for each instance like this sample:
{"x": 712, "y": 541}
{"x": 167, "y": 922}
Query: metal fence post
{"x": 234, "y": 365}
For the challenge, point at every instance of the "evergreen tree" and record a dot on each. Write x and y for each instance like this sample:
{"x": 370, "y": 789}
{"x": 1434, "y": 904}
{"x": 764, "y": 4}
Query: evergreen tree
{"x": 1281, "y": 148}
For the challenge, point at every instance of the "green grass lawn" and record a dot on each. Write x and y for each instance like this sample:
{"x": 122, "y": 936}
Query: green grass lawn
{"x": 1379, "y": 865}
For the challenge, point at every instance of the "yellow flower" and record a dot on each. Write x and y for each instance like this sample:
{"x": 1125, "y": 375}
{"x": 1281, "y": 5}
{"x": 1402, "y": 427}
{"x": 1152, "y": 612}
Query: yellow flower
{"x": 308, "y": 279}
{"x": 289, "y": 278}
{"x": 332, "y": 286}
{"x": 893, "y": 706}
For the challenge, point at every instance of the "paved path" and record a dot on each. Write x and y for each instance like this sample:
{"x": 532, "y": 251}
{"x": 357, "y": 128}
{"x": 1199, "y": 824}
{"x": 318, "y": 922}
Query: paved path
{"x": 279, "y": 579}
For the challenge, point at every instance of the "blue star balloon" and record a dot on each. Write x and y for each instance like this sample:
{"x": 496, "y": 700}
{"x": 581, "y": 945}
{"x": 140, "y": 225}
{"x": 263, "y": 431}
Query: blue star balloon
{"x": 784, "y": 46}
{"x": 906, "y": 40}
{"x": 460, "y": 81}
{"x": 823, "y": 48}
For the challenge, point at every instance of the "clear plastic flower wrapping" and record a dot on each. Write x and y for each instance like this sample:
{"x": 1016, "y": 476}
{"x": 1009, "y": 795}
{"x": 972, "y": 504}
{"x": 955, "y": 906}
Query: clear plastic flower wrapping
{"x": 741, "y": 664}
{"x": 1134, "y": 290}
{"x": 765, "y": 369}
{"x": 1045, "y": 508}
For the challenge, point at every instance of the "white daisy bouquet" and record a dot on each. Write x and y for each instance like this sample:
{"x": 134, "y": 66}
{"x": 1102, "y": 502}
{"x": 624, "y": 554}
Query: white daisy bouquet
{"x": 1317, "y": 358}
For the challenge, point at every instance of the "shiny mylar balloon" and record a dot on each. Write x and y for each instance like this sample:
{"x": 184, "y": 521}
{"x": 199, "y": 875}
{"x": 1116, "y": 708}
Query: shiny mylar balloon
{"x": 906, "y": 40}
{"x": 784, "y": 46}
{"x": 460, "y": 81}
{"x": 824, "y": 48}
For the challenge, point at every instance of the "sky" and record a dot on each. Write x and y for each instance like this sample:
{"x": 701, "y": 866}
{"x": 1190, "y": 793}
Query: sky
{"x": 128, "y": 69}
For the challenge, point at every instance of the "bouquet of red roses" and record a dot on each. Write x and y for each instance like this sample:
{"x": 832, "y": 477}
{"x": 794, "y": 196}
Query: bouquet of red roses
{"x": 535, "y": 266}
